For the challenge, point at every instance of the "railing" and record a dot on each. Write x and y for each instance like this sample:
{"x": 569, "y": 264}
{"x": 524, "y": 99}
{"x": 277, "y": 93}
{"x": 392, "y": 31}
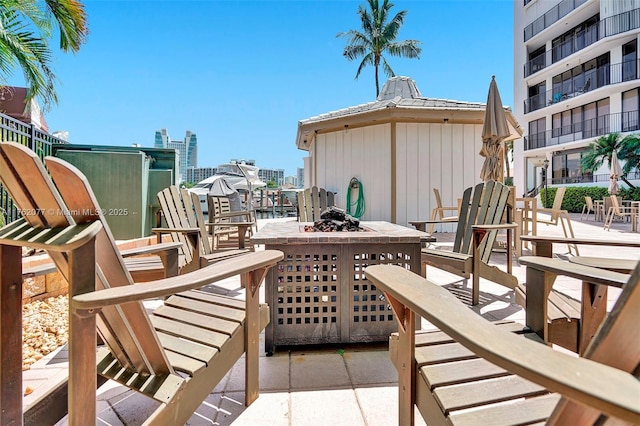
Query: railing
{"x": 607, "y": 27}
{"x": 12, "y": 130}
{"x": 611, "y": 123}
{"x": 552, "y": 16}
{"x": 583, "y": 83}
{"x": 591, "y": 178}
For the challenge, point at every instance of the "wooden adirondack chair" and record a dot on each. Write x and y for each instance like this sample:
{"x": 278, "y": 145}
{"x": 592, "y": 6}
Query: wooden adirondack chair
{"x": 616, "y": 210}
{"x": 438, "y": 212}
{"x": 473, "y": 372}
{"x": 313, "y": 201}
{"x": 175, "y": 355}
{"x": 558, "y": 216}
{"x": 482, "y": 208}
{"x": 186, "y": 224}
{"x": 224, "y": 233}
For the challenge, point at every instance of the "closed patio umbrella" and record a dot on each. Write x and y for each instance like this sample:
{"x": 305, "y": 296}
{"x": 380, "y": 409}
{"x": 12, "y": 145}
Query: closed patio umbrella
{"x": 614, "y": 173}
{"x": 494, "y": 130}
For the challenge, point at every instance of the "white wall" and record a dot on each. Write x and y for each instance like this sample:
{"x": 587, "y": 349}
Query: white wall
{"x": 443, "y": 156}
{"x": 363, "y": 153}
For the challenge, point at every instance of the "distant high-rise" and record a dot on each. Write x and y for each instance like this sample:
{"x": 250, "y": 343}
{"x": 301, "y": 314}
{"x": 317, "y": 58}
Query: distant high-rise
{"x": 187, "y": 149}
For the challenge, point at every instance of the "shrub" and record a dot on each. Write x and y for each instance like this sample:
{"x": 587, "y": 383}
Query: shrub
{"x": 574, "y": 197}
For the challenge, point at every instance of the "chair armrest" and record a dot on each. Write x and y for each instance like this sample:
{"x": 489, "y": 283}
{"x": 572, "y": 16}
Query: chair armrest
{"x": 20, "y": 233}
{"x": 604, "y": 388}
{"x": 230, "y": 215}
{"x": 453, "y": 219}
{"x": 218, "y": 271}
{"x": 583, "y": 273}
{"x": 152, "y": 248}
{"x": 586, "y": 241}
{"x": 495, "y": 227}
{"x": 182, "y": 230}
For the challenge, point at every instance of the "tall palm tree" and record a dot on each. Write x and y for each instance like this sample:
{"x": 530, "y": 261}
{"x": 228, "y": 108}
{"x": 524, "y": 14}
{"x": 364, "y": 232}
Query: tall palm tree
{"x": 378, "y": 36}
{"x": 26, "y": 27}
{"x": 602, "y": 150}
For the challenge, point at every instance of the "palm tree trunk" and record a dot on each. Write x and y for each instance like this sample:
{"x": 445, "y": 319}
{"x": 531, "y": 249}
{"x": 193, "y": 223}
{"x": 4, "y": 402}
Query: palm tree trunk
{"x": 377, "y": 84}
{"x": 624, "y": 179}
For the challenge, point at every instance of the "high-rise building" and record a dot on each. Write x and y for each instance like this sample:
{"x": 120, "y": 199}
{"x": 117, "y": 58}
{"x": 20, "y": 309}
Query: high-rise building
{"x": 576, "y": 78}
{"x": 276, "y": 175}
{"x": 196, "y": 174}
{"x": 187, "y": 149}
{"x": 300, "y": 176}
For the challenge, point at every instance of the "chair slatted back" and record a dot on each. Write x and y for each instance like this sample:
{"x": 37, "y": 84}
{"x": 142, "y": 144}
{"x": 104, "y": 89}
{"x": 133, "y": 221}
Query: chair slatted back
{"x": 120, "y": 328}
{"x": 198, "y": 215}
{"x": 615, "y": 344}
{"x": 174, "y": 214}
{"x": 557, "y": 202}
{"x": 484, "y": 204}
{"x": 436, "y": 193}
{"x": 312, "y": 202}
{"x": 615, "y": 203}
{"x": 589, "y": 201}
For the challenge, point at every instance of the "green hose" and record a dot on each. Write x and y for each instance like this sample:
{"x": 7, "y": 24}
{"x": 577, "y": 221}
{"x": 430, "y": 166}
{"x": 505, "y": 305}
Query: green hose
{"x": 359, "y": 202}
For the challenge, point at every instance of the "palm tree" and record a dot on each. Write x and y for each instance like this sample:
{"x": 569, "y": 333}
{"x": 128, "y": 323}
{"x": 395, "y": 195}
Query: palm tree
{"x": 602, "y": 150}
{"x": 26, "y": 26}
{"x": 630, "y": 153}
{"x": 377, "y": 37}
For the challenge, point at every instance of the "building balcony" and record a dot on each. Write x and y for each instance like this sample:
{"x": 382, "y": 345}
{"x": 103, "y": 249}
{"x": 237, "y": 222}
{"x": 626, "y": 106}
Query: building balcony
{"x": 552, "y": 16}
{"x": 589, "y": 178}
{"x": 584, "y": 83}
{"x": 607, "y": 27}
{"x": 611, "y": 123}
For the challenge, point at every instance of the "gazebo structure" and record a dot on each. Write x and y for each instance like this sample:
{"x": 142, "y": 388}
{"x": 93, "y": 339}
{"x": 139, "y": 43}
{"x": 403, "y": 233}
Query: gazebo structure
{"x": 399, "y": 148}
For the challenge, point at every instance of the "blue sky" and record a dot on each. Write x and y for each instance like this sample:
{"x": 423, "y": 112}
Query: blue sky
{"x": 241, "y": 74}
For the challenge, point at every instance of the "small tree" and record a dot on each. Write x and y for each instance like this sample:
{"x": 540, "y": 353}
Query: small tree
{"x": 378, "y": 36}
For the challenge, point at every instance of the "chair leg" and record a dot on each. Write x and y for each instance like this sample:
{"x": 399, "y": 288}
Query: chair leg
{"x": 434, "y": 212}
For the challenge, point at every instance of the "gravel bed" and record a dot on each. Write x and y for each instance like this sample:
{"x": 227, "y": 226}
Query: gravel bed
{"x": 45, "y": 327}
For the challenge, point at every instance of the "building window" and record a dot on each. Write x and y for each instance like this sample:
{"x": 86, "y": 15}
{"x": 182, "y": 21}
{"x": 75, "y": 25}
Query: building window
{"x": 629, "y": 60}
{"x": 630, "y": 107}
{"x": 537, "y": 130}
{"x": 566, "y": 168}
{"x": 536, "y": 97}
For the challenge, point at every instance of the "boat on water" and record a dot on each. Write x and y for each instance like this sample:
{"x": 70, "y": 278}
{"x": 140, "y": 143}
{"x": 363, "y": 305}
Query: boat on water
{"x": 241, "y": 177}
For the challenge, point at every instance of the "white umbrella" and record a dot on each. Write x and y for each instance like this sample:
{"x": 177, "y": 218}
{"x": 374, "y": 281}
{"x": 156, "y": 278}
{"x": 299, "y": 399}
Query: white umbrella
{"x": 614, "y": 173}
{"x": 494, "y": 130}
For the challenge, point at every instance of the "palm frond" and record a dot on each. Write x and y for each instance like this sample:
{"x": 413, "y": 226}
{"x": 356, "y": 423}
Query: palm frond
{"x": 367, "y": 60}
{"x": 405, "y": 49}
{"x": 72, "y": 22}
{"x": 387, "y": 68}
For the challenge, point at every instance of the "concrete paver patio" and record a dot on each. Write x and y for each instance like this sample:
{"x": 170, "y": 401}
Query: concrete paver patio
{"x": 350, "y": 385}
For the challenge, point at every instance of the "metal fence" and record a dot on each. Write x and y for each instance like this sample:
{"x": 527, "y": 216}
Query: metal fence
{"x": 12, "y": 130}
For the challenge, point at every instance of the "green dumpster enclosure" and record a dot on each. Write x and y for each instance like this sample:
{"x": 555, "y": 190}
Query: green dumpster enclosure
{"x": 126, "y": 181}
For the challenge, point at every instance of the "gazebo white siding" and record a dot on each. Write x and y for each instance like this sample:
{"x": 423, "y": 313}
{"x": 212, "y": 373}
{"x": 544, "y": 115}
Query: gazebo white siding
{"x": 427, "y": 155}
{"x": 363, "y": 153}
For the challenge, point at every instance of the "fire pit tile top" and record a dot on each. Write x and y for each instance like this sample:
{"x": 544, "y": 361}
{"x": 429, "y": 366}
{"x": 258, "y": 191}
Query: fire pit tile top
{"x": 292, "y": 232}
